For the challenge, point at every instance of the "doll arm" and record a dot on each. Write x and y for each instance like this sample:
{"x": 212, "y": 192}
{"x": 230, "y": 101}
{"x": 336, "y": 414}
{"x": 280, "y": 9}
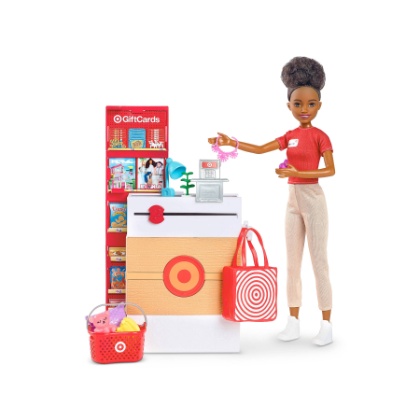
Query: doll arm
{"x": 225, "y": 140}
{"x": 329, "y": 169}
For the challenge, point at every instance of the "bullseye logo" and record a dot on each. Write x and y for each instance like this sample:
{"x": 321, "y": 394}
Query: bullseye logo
{"x": 120, "y": 347}
{"x": 212, "y": 164}
{"x": 256, "y": 293}
{"x": 117, "y": 119}
{"x": 183, "y": 276}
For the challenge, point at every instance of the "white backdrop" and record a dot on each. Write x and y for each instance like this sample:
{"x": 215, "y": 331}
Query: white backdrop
{"x": 217, "y": 65}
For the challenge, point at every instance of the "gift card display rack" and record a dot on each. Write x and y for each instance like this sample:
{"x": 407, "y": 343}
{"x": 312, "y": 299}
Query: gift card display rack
{"x": 136, "y": 153}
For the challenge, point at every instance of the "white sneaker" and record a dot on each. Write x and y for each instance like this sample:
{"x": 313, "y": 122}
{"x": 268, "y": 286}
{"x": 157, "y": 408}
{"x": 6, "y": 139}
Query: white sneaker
{"x": 292, "y": 330}
{"x": 324, "y": 336}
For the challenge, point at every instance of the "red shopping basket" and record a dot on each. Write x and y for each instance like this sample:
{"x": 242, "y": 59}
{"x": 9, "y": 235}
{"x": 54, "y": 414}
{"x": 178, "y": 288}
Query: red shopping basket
{"x": 117, "y": 347}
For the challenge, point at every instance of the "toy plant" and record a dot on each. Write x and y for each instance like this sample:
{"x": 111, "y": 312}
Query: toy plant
{"x": 187, "y": 181}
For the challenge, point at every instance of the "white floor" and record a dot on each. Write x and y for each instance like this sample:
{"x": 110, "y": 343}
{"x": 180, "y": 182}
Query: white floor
{"x": 364, "y": 374}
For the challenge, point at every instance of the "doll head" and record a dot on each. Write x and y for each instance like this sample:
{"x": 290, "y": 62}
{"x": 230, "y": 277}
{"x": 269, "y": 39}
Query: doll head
{"x": 150, "y": 162}
{"x": 304, "y": 79}
{"x": 303, "y": 71}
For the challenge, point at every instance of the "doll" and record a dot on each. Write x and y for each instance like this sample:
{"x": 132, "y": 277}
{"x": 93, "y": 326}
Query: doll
{"x": 306, "y": 213}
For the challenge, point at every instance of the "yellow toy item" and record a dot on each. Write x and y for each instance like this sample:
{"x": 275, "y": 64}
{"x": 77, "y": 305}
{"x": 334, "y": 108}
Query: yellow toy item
{"x": 128, "y": 324}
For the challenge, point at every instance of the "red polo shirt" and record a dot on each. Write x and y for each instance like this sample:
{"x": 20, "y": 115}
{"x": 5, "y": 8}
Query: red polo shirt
{"x": 305, "y": 146}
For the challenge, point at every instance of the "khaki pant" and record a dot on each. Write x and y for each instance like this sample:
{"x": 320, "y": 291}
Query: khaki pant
{"x": 307, "y": 214}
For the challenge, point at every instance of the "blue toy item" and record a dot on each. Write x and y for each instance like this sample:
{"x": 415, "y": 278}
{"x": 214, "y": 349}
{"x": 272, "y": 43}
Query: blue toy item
{"x": 173, "y": 170}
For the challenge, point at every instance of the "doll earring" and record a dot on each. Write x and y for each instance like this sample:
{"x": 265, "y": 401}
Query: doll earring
{"x": 224, "y": 156}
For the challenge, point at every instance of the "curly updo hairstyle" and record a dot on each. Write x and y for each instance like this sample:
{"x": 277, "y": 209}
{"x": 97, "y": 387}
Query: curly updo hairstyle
{"x": 303, "y": 71}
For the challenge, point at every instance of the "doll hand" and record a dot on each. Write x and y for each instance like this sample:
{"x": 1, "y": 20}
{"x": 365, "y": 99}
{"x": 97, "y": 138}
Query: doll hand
{"x": 222, "y": 140}
{"x": 287, "y": 172}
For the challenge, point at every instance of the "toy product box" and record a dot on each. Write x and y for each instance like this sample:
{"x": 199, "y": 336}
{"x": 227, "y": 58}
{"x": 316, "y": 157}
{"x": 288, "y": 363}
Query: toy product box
{"x": 118, "y": 217}
{"x": 117, "y": 277}
{"x": 150, "y": 175}
{"x": 116, "y": 253}
{"x": 122, "y": 173}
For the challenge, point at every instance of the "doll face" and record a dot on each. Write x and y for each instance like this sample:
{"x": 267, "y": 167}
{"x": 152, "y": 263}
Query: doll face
{"x": 304, "y": 104}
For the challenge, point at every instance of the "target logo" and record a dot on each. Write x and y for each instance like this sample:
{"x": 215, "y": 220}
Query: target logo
{"x": 120, "y": 347}
{"x": 183, "y": 276}
{"x": 212, "y": 164}
{"x": 256, "y": 295}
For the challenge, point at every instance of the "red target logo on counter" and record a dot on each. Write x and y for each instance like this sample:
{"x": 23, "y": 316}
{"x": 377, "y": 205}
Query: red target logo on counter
{"x": 256, "y": 295}
{"x": 183, "y": 276}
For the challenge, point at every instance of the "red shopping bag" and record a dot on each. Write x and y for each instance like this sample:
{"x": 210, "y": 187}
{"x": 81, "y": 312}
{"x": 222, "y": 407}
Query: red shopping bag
{"x": 249, "y": 293}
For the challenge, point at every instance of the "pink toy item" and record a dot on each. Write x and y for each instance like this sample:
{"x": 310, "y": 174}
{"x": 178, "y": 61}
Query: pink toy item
{"x": 101, "y": 323}
{"x": 284, "y": 164}
{"x": 224, "y": 156}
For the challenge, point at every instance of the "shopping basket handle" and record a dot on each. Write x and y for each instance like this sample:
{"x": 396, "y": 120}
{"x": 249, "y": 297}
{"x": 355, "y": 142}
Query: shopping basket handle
{"x": 115, "y": 305}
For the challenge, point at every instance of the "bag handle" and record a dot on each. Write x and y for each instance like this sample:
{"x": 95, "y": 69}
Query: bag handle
{"x": 251, "y": 248}
{"x": 244, "y": 233}
{"x": 242, "y": 240}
